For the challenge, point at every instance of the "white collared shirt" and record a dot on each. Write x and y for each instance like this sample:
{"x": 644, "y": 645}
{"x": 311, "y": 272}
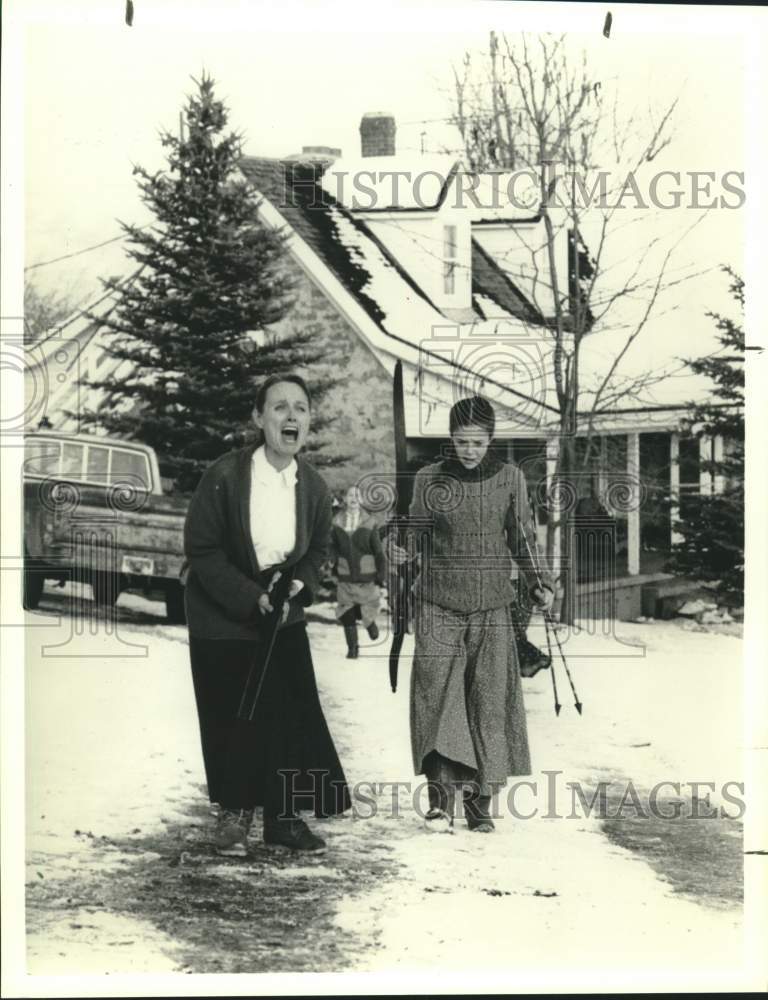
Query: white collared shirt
{"x": 272, "y": 509}
{"x": 351, "y": 520}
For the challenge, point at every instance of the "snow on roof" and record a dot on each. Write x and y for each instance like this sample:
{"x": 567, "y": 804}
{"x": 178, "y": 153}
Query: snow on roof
{"x": 405, "y": 323}
{"x": 507, "y": 354}
{"x": 500, "y": 196}
{"x": 499, "y": 355}
{"x": 650, "y": 387}
{"x": 390, "y": 183}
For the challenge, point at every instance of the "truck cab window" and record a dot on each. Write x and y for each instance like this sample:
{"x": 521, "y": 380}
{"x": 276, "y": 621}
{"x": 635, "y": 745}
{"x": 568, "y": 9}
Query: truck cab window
{"x": 72, "y": 461}
{"x": 97, "y": 465}
{"x": 132, "y": 468}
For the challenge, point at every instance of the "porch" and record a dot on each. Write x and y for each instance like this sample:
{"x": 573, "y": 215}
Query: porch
{"x": 629, "y": 484}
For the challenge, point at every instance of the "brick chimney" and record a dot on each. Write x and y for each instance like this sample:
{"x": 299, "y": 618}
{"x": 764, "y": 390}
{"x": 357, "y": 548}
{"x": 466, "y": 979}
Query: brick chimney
{"x": 320, "y": 154}
{"x": 377, "y": 134}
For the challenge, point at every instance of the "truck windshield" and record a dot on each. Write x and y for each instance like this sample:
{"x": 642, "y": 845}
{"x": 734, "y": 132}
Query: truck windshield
{"x": 42, "y": 458}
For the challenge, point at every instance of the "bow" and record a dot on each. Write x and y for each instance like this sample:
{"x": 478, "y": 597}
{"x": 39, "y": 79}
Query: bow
{"x": 400, "y": 597}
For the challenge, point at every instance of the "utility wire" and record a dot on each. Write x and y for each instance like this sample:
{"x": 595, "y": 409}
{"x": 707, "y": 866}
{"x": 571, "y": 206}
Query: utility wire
{"x": 77, "y": 253}
{"x": 68, "y": 256}
{"x": 84, "y": 312}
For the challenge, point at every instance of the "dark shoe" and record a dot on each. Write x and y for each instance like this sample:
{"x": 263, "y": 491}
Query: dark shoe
{"x": 373, "y": 631}
{"x": 442, "y": 798}
{"x": 350, "y": 634}
{"x": 294, "y": 834}
{"x": 438, "y": 821}
{"x": 477, "y": 810}
{"x": 231, "y": 834}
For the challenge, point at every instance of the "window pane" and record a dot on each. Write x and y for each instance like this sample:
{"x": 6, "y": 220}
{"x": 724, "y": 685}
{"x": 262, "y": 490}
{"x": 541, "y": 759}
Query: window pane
{"x": 449, "y": 278}
{"x": 72, "y": 461}
{"x": 130, "y": 467}
{"x": 689, "y": 460}
{"x": 42, "y": 458}
{"x": 449, "y": 237}
{"x": 98, "y": 464}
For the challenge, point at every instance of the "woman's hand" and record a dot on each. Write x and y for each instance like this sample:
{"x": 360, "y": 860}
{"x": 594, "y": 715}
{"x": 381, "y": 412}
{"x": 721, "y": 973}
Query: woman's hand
{"x": 265, "y": 605}
{"x": 543, "y": 597}
{"x": 395, "y": 554}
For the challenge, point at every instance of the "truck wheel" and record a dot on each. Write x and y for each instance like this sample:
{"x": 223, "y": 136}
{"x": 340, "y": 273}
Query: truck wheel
{"x": 106, "y": 588}
{"x": 34, "y": 581}
{"x": 174, "y": 604}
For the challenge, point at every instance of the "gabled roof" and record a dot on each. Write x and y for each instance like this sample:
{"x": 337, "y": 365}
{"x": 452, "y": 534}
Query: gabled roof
{"x": 404, "y": 316}
{"x": 391, "y": 184}
{"x": 61, "y": 359}
{"x": 294, "y": 188}
{"x": 489, "y": 281}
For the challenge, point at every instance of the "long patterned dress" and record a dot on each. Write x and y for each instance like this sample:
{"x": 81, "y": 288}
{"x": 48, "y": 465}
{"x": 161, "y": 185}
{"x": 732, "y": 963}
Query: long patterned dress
{"x": 467, "y": 707}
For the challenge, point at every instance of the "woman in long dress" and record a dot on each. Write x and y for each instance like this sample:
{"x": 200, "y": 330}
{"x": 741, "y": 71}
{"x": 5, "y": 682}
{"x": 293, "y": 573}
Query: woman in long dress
{"x": 471, "y": 524}
{"x": 261, "y": 515}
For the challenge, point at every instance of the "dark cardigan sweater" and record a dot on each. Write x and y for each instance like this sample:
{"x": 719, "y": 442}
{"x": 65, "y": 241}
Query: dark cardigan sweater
{"x": 359, "y": 554}
{"x": 225, "y": 580}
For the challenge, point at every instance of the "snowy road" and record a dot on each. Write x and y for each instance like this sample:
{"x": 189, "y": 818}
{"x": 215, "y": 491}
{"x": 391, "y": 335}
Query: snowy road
{"x": 121, "y": 877}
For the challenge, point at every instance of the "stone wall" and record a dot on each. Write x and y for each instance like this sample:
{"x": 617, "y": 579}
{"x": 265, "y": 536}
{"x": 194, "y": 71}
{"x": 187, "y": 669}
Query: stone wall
{"x": 359, "y": 406}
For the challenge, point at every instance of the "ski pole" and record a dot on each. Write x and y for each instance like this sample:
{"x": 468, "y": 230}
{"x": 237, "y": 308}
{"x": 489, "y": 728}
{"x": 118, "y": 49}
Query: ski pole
{"x": 548, "y": 620}
{"x": 558, "y": 706}
{"x": 279, "y": 591}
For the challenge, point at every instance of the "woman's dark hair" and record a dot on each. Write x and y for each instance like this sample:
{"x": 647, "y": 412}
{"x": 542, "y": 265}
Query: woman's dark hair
{"x": 266, "y": 385}
{"x": 472, "y": 411}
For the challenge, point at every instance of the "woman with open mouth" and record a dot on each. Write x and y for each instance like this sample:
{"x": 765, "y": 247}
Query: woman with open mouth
{"x": 256, "y": 537}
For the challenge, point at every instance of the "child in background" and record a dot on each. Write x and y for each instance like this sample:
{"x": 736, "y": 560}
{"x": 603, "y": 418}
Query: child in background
{"x": 360, "y": 569}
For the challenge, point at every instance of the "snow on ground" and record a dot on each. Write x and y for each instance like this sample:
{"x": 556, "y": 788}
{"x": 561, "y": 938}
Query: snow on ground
{"x": 110, "y": 752}
{"x": 113, "y": 752}
{"x": 553, "y": 890}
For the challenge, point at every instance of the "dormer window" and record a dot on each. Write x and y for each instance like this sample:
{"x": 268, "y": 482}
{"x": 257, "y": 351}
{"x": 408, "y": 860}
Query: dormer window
{"x": 450, "y": 254}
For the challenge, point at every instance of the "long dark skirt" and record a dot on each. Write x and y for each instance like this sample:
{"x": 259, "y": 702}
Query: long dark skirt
{"x": 284, "y": 759}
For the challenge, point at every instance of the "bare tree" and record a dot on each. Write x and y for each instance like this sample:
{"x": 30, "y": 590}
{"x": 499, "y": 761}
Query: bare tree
{"x": 528, "y": 103}
{"x": 44, "y": 309}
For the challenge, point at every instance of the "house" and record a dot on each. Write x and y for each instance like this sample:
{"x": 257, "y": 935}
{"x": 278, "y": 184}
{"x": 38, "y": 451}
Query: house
{"x": 412, "y": 259}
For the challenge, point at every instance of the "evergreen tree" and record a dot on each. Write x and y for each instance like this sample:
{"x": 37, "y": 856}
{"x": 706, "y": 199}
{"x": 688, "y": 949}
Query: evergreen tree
{"x": 712, "y": 526}
{"x": 192, "y": 325}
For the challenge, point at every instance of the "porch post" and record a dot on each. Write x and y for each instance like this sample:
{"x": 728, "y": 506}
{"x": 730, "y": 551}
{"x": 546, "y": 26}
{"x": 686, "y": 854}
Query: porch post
{"x": 674, "y": 485}
{"x": 602, "y": 478}
{"x": 552, "y": 453}
{"x": 705, "y": 455}
{"x": 718, "y": 483}
{"x": 633, "y": 514}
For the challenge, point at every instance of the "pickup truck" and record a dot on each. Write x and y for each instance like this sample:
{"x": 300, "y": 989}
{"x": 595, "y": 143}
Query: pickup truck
{"x": 94, "y": 512}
